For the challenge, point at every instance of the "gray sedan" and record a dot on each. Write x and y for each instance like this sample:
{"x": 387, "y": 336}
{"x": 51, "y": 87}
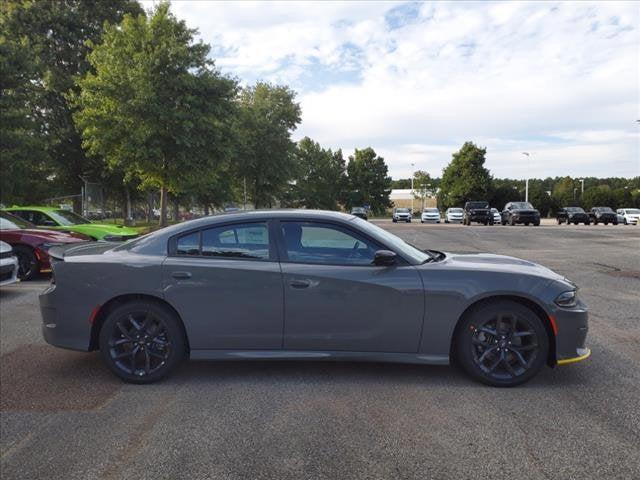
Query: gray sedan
{"x": 307, "y": 285}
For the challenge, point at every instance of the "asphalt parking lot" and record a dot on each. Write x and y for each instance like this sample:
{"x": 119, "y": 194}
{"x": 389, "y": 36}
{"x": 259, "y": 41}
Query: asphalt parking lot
{"x": 63, "y": 416}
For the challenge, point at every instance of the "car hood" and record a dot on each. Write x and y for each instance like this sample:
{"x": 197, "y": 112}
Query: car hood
{"x": 499, "y": 263}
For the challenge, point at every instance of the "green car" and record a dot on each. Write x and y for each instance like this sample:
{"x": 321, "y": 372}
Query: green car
{"x": 58, "y": 219}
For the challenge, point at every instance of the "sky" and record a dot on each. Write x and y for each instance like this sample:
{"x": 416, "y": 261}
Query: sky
{"x": 560, "y": 80}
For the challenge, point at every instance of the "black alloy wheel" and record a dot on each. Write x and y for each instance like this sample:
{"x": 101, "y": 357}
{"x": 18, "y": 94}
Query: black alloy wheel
{"x": 28, "y": 266}
{"x": 142, "y": 341}
{"x": 502, "y": 344}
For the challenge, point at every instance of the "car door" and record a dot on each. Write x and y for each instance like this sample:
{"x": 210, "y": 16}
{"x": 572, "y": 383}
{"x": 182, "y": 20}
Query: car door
{"x": 225, "y": 282}
{"x": 336, "y": 299}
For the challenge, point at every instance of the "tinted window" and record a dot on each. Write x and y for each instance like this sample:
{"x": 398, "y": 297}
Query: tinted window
{"x": 326, "y": 244}
{"x": 240, "y": 241}
{"x": 189, "y": 244}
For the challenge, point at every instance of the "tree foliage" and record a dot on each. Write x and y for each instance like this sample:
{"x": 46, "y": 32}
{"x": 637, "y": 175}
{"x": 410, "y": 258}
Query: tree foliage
{"x": 321, "y": 176}
{"x": 368, "y": 181}
{"x": 56, "y": 37}
{"x": 155, "y": 106}
{"x": 267, "y": 116}
{"x": 465, "y": 178}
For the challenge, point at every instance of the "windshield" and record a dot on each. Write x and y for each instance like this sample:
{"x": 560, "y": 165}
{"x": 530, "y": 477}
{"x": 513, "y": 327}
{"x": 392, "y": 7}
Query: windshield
{"x": 632, "y": 211}
{"x": 478, "y": 205}
{"x": 455, "y": 210}
{"x": 65, "y": 217}
{"x": 357, "y": 210}
{"x": 392, "y": 241}
{"x": 604, "y": 209}
{"x": 522, "y": 206}
{"x": 574, "y": 210}
{"x": 11, "y": 222}
{"x": 430, "y": 210}
{"x": 402, "y": 210}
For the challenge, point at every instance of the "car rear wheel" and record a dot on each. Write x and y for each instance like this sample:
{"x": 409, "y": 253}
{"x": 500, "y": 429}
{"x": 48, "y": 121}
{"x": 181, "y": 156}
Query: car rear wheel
{"x": 502, "y": 344}
{"x": 141, "y": 341}
{"x": 28, "y": 266}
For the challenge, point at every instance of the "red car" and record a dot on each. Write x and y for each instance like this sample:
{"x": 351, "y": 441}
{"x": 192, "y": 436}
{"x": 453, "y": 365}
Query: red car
{"x": 31, "y": 244}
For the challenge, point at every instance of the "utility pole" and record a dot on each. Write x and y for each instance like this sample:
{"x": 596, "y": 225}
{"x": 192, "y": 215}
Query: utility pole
{"x": 526, "y": 183}
{"x": 412, "y": 175}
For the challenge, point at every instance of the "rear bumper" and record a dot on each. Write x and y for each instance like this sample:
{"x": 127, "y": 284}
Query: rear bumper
{"x": 67, "y": 330}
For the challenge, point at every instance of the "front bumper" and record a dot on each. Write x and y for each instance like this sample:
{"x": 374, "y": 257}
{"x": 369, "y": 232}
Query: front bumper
{"x": 8, "y": 270}
{"x": 572, "y": 326}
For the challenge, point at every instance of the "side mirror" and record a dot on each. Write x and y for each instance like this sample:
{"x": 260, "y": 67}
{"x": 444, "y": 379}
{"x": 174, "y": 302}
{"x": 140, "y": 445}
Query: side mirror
{"x": 384, "y": 258}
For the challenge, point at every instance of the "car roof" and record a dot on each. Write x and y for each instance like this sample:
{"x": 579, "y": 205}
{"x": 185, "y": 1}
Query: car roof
{"x": 29, "y": 207}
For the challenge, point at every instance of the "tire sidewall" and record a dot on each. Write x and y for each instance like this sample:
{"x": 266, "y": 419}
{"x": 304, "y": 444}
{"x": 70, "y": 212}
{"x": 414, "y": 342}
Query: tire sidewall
{"x": 173, "y": 330}
{"x": 464, "y": 334}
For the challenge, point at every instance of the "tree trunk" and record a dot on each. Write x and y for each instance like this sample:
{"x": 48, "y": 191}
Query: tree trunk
{"x": 163, "y": 207}
{"x": 127, "y": 218}
{"x": 176, "y": 210}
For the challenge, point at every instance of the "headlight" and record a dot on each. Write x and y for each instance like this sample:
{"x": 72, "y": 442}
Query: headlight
{"x": 567, "y": 299}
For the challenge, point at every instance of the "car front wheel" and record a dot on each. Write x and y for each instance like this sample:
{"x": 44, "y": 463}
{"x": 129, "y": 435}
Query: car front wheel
{"x": 141, "y": 341}
{"x": 502, "y": 343}
{"x": 27, "y": 262}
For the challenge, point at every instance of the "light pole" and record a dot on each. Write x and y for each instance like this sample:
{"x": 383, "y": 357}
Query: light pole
{"x": 412, "y": 175}
{"x": 581, "y": 187}
{"x": 526, "y": 182}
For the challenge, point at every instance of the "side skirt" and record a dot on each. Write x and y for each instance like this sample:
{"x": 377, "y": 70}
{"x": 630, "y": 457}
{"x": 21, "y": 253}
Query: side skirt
{"x": 415, "y": 358}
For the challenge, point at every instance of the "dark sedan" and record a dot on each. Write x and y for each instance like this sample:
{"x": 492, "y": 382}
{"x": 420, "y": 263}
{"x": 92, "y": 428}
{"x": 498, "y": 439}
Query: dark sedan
{"x": 312, "y": 285}
{"x": 573, "y": 215}
{"x": 30, "y": 244}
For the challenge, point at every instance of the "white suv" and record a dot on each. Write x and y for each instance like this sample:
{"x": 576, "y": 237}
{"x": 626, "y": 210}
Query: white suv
{"x": 630, "y": 216}
{"x": 8, "y": 265}
{"x": 401, "y": 215}
{"x": 430, "y": 215}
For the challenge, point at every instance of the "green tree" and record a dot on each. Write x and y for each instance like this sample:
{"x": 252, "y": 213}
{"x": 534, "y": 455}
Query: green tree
{"x": 267, "y": 116}
{"x": 465, "y": 178}
{"x": 540, "y": 198}
{"x": 422, "y": 186}
{"x": 566, "y": 192}
{"x": 59, "y": 35}
{"x": 598, "y": 196}
{"x": 321, "y": 177}
{"x": 155, "y": 106}
{"x": 368, "y": 182}
{"x": 23, "y": 156}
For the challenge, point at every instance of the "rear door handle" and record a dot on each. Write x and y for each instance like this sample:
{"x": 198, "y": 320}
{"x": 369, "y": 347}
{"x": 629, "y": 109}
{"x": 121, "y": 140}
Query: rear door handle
{"x": 181, "y": 275}
{"x": 299, "y": 283}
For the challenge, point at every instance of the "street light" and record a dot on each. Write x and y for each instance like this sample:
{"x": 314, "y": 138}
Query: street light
{"x": 582, "y": 187}
{"x": 526, "y": 184}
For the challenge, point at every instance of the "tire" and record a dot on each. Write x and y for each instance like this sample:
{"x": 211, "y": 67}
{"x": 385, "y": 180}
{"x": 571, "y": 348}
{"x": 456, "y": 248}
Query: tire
{"x": 537, "y": 224}
{"x": 394, "y": 220}
{"x": 28, "y": 265}
{"x": 625, "y": 222}
{"x": 526, "y": 224}
{"x": 155, "y": 335}
{"x": 606, "y": 223}
{"x": 615, "y": 222}
{"x": 575, "y": 223}
{"x": 486, "y": 222}
{"x": 485, "y": 350}
{"x": 595, "y": 222}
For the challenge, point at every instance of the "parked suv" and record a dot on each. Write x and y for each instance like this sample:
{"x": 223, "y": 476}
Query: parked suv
{"x": 402, "y": 215}
{"x": 360, "y": 212}
{"x": 603, "y": 215}
{"x": 520, "y": 212}
{"x": 573, "y": 215}
{"x": 430, "y": 215}
{"x": 453, "y": 215}
{"x": 477, "y": 212}
{"x": 630, "y": 216}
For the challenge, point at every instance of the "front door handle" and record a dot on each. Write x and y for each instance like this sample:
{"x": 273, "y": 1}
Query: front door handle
{"x": 181, "y": 275}
{"x": 299, "y": 283}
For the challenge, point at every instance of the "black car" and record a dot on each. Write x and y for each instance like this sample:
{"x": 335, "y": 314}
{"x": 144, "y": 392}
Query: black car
{"x": 479, "y": 212}
{"x": 360, "y": 212}
{"x": 603, "y": 215}
{"x": 573, "y": 215}
{"x": 520, "y": 212}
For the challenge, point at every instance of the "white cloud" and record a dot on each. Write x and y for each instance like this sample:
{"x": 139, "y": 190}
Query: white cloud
{"x": 559, "y": 79}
